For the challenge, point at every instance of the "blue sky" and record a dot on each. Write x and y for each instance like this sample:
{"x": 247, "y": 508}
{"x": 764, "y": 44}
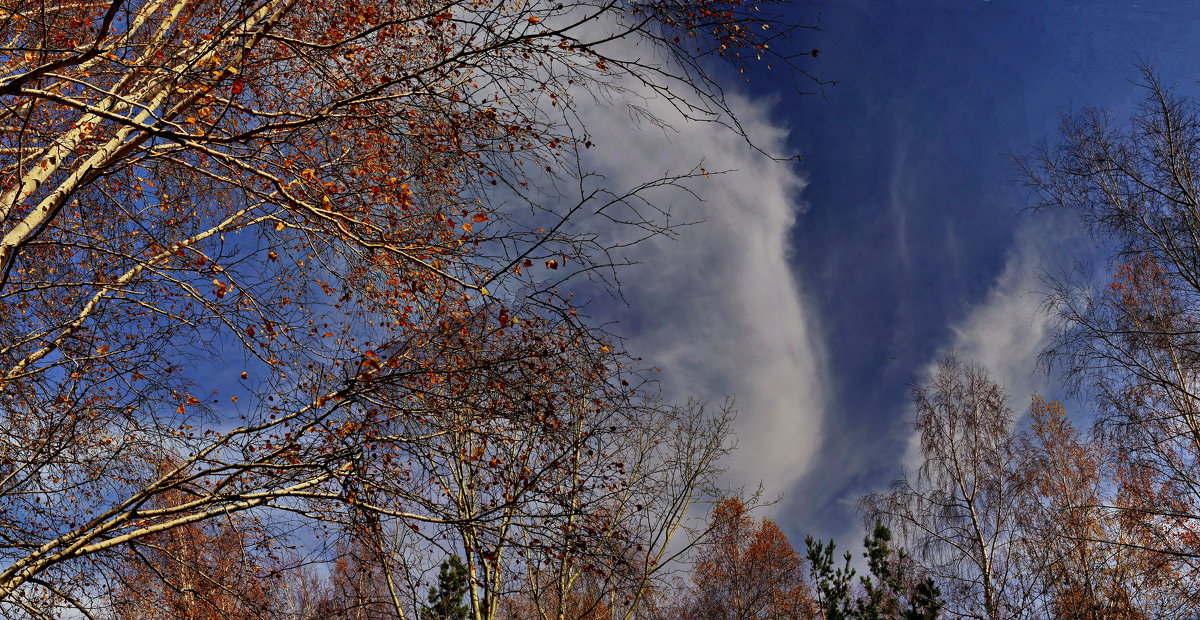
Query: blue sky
{"x": 912, "y": 236}
{"x": 817, "y": 292}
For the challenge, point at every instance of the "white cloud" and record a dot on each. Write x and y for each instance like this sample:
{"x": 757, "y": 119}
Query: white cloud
{"x": 719, "y": 308}
{"x": 1008, "y": 330}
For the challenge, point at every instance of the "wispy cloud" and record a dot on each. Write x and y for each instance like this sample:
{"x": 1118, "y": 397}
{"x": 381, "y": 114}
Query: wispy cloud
{"x": 719, "y": 307}
{"x": 900, "y": 193}
{"x": 1008, "y": 330}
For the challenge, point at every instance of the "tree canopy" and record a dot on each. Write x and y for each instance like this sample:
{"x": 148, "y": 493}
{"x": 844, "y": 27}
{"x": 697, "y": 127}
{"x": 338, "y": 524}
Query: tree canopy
{"x": 304, "y": 267}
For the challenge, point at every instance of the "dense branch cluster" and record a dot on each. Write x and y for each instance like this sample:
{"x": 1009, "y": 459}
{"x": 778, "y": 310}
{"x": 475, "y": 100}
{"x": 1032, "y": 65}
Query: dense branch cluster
{"x": 282, "y": 274}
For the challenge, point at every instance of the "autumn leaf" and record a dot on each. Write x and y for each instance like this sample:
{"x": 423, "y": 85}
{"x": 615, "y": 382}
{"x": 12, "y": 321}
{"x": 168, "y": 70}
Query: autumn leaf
{"x": 162, "y": 150}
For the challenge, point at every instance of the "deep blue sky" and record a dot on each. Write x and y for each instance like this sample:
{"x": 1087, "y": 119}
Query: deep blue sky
{"x": 909, "y": 213}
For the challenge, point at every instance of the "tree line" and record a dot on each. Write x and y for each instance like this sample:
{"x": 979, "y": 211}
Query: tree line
{"x": 287, "y": 310}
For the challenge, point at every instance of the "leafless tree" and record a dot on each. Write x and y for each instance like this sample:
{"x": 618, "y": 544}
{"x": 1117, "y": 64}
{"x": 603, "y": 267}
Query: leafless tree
{"x": 958, "y": 512}
{"x": 1134, "y": 341}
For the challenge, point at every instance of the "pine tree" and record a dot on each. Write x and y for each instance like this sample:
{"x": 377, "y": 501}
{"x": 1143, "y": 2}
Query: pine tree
{"x": 888, "y": 593}
{"x": 446, "y": 600}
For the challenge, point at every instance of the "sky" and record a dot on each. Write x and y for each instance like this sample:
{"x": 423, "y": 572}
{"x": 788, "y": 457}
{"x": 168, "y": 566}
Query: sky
{"x": 817, "y": 292}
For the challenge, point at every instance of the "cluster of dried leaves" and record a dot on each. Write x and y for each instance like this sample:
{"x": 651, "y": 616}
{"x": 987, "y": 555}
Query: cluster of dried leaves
{"x": 280, "y": 274}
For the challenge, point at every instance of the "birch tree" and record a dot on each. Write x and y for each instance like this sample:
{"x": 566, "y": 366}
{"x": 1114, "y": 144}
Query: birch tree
{"x": 226, "y": 225}
{"x": 1130, "y": 339}
{"x": 958, "y": 513}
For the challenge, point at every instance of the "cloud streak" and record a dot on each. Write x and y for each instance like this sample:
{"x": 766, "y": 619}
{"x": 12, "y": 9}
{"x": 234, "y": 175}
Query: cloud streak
{"x": 719, "y": 307}
{"x": 1007, "y": 331}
